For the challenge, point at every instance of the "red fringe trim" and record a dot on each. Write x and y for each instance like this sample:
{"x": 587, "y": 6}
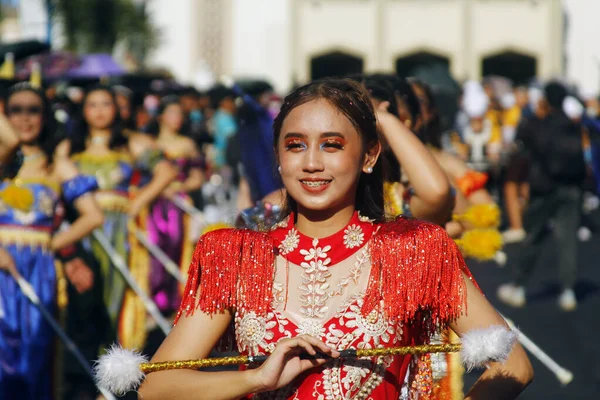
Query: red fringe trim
{"x": 230, "y": 269}
{"x": 417, "y": 273}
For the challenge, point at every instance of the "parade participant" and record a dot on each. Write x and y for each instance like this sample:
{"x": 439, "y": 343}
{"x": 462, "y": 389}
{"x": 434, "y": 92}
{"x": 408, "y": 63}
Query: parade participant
{"x": 557, "y": 172}
{"x": 516, "y": 187}
{"x": 407, "y": 160}
{"x": 470, "y": 184}
{"x": 28, "y": 242}
{"x": 167, "y": 225}
{"x": 332, "y": 275}
{"x": 101, "y": 150}
{"x": 415, "y": 185}
{"x": 255, "y": 135}
{"x": 223, "y": 124}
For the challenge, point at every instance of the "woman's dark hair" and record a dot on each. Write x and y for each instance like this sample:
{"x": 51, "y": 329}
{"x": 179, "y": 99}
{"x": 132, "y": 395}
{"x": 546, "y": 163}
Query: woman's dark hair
{"x": 404, "y": 91}
{"x": 219, "y": 93}
{"x": 81, "y": 130}
{"x": 431, "y": 131}
{"x": 382, "y": 89}
{"x": 129, "y": 95}
{"x": 153, "y": 127}
{"x": 50, "y": 135}
{"x": 352, "y": 100}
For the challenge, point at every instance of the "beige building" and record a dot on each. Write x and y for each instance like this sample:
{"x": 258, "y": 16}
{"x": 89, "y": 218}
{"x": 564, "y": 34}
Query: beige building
{"x": 292, "y": 41}
{"x": 471, "y": 37}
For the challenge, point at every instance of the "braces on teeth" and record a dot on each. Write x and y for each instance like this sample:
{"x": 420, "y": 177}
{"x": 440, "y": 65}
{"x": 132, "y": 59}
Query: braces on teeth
{"x": 315, "y": 183}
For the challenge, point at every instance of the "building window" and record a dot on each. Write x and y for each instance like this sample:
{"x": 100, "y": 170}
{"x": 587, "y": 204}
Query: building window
{"x": 520, "y": 68}
{"x": 411, "y": 64}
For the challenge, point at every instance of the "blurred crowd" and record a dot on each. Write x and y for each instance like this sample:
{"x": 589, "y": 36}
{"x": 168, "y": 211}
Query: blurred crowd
{"x": 179, "y": 162}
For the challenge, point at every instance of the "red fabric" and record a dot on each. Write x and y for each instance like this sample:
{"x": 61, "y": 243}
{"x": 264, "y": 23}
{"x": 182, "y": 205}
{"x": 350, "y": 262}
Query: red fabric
{"x": 384, "y": 377}
{"x": 230, "y": 268}
{"x": 339, "y": 252}
{"x": 416, "y": 267}
{"x": 415, "y": 286}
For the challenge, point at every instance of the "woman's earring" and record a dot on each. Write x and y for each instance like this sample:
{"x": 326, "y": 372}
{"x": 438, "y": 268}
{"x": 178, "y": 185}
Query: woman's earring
{"x": 279, "y": 169}
{"x": 369, "y": 170}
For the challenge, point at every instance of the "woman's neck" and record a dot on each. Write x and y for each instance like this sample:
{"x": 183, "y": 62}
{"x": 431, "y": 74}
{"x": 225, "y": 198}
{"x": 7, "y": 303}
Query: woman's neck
{"x": 166, "y": 133}
{"x": 34, "y": 161}
{"x": 320, "y": 224}
{"x": 100, "y": 133}
{"x": 30, "y": 150}
{"x": 99, "y": 139}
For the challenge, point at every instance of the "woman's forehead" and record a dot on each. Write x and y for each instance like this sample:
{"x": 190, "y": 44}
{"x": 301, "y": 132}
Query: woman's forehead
{"x": 25, "y": 96}
{"x": 317, "y": 116}
{"x": 98, "y": 94}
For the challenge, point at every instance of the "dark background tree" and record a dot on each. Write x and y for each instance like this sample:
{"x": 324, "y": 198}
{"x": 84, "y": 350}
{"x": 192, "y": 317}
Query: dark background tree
{"x": 97, "y": 26}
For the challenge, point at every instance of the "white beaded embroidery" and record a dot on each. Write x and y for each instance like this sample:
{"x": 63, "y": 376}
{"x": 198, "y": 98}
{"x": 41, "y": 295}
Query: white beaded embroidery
{"x": 314, "y": 281}
{"x": 290, "y": 242}
{"x": 353, "y": 236}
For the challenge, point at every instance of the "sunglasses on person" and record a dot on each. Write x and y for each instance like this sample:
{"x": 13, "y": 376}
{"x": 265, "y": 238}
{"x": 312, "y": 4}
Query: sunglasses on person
{"x": 17, "y": 109}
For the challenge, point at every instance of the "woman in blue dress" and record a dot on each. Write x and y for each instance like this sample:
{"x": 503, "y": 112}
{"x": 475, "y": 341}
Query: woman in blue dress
{"x": 29, "y": 239}
{"x": 100, "y": 148}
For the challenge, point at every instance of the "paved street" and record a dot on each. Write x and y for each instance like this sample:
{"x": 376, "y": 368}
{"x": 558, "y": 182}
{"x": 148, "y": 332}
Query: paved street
{"x": 571, "y": 339}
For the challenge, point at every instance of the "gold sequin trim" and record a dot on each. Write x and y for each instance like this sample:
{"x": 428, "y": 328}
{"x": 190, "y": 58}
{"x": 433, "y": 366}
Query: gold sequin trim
{"x": 112, "y": 201}
{"x": 25, "y": 237}
{"x": 104, "y": 158}
{"x": 193, "y": 364}
{"x": 41, "y": 181}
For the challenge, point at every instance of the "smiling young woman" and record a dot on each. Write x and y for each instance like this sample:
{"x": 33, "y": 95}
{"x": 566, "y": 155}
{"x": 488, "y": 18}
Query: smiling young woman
{"x": 30, "y": 243}
{"x": 332, "y": 275}
{"x": 101, "y": 149}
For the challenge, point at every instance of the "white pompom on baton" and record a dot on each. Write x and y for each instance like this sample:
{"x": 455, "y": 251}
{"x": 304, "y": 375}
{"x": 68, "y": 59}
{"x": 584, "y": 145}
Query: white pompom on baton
{"x": 121, "y": 371}
{"x": 481, "y": 346}
{"x": 118, "y": 371}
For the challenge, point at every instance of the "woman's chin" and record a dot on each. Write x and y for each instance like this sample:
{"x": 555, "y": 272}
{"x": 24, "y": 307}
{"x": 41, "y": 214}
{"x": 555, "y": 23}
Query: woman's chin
{"x": 318, "y": 205}
{"x": 101, "y": 125}
{"x": 28, "y": 139}
{"x": 313, "y": 205}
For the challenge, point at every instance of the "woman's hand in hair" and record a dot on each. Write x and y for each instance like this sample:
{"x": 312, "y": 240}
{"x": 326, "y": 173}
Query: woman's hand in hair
{"x": 433, "y": 200}
{"x": 385, "y": 120}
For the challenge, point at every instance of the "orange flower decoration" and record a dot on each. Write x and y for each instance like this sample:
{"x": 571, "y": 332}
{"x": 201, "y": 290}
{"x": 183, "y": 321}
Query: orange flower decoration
{"x": 471, "y": 182}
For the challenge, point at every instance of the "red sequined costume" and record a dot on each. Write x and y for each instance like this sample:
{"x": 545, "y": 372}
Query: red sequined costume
{"x": 370, "y": 285}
